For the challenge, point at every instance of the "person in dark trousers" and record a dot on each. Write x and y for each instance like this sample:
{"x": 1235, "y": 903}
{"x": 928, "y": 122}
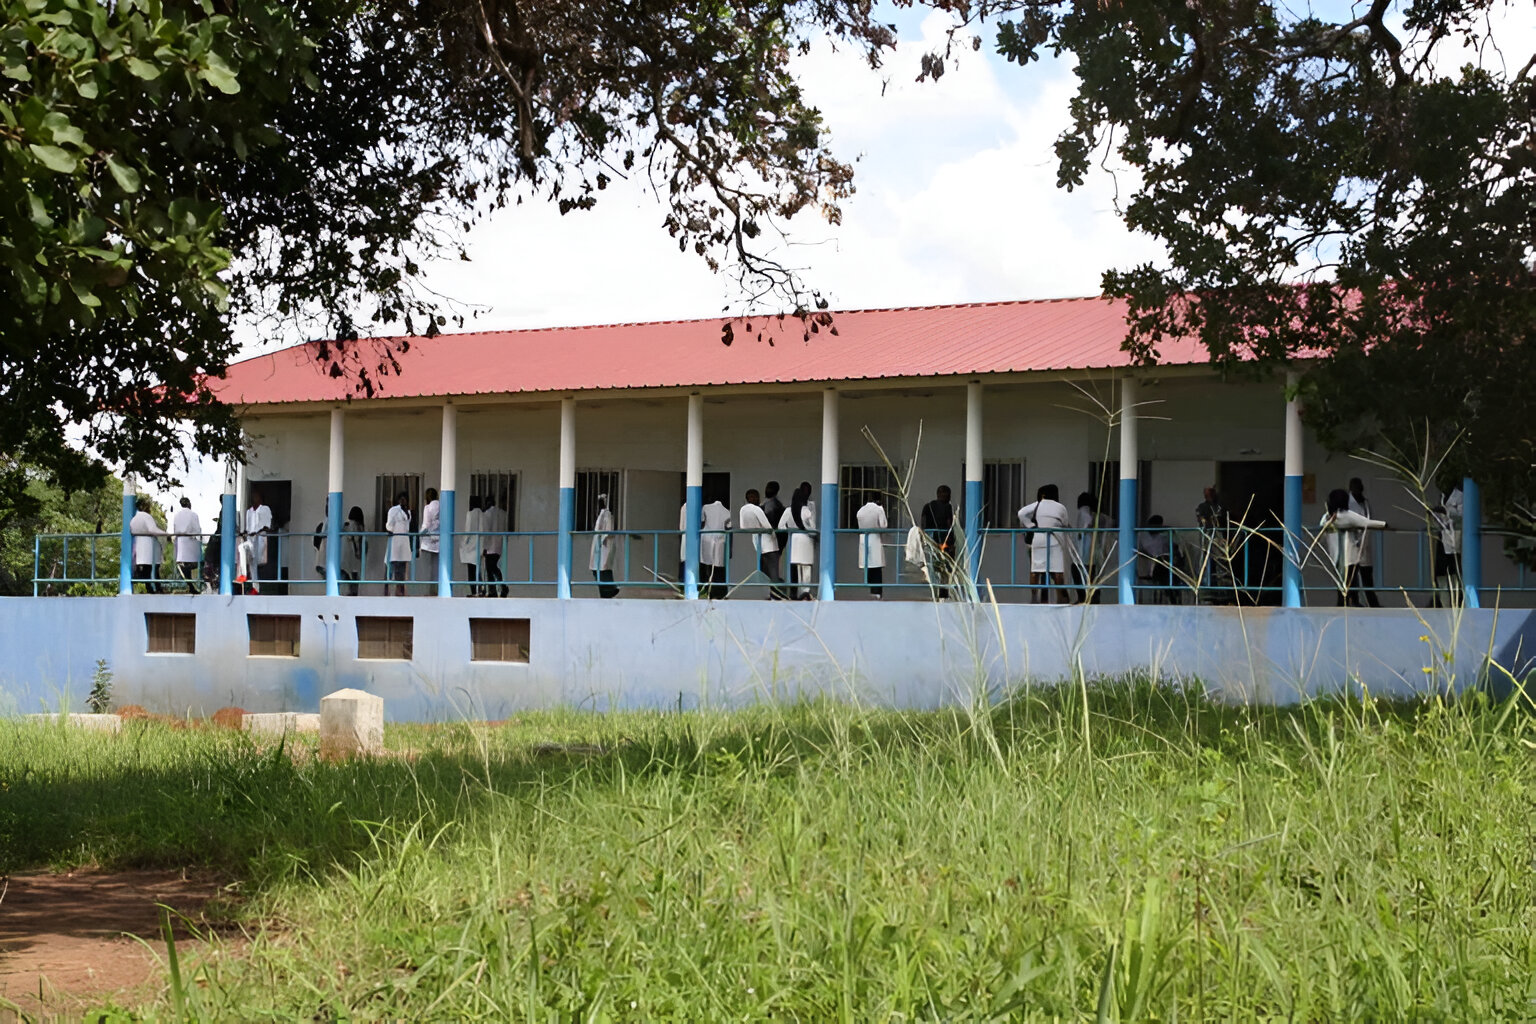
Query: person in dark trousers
{"x": 1365, "y": 569}
{"x": 938, "y": 522}
{"x": 773, "y": 511}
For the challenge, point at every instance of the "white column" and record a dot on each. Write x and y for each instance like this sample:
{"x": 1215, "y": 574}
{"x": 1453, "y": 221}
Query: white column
{"x": 336, "y": 472}
{"x": 693, "y": 496}
{"x": 1130, "y": 504}
{"x": 446, "y": 502}
{"x": 567, "y": 522}
{"x": 1290, "y": 582}
{"x": 827, "y": 514}
{"x": 975, "y": 476}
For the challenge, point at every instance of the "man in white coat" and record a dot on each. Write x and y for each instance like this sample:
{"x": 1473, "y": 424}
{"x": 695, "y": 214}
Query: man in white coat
{"x": 398, "y": 555}
{"x": 431, "y": 534}
{"x": 258, "y": 523}
{"x": 603, "y": 546}
{"x": 146, "y": 546}
{"x": 871, "y": 517}
{"x": 188, "y": 531}
{"x": 469, "y": 544}
{"x": 717, "y": 520}
{"x": 495, "y": 524}
{"x": 765, "y": 542}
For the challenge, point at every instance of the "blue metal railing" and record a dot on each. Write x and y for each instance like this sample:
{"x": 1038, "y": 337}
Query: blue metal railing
{"x": 1236, "y": 564}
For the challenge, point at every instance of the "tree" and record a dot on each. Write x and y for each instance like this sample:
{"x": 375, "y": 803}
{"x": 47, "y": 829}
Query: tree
{"x": 169, "y": 165}
{"x": 39, "y": 507}
{"x": 1351, "y": 194}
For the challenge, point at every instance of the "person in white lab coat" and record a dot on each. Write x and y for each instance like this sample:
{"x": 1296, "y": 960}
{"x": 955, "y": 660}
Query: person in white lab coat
{"x": 495, "y": 521}
{"x": 188, "y": 531}
{"x": 799, "y": 520}
{"x": 603, "y": 547}
{"x": 751, "y": 517}
{"x": 431, "y": 534}
{"x": 469, "y": 544}
{"x": 1365, "y": 569}
{"x": 1095, "y": 549}
{"x": 712, "y": 547}
{"x": 147, "y": 536}
{"x": 253, "y": 551}
{"x": 1050, "y": 549}
{"x": 352, "y": 549}
{"x": 398, "y": 525}
{"x": 871, "y": 516}
{"x": 1342, "y": 534}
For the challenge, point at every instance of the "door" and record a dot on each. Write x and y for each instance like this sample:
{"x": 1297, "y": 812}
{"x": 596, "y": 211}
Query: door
{"x": 1254, "y": 496}
{"x": 650, "y": 503}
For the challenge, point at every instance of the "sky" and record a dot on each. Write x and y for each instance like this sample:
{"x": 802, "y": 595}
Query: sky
{"x": 956, "y": 202}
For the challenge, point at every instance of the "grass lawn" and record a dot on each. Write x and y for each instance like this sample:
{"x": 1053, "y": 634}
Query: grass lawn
{"x": 1121, "y": 852}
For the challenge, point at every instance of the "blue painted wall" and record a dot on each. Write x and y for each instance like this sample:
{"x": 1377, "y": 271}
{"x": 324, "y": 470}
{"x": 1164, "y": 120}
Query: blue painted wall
{"x": 643, "y": 653}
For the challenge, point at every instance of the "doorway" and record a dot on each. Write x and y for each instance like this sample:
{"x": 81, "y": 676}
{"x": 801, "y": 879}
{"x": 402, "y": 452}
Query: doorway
{"x": 1254, "y": 496}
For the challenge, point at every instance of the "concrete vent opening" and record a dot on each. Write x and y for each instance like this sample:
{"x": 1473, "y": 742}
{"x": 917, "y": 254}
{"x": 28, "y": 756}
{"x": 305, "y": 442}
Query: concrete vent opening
{"x": 273, "y": 636}
{"x": 498, "y": 640}
{"x": 170, "y": 633}
{"x": 384, "y": 638}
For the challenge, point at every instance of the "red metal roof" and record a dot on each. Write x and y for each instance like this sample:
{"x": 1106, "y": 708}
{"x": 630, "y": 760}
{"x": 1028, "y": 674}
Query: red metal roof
{"x": 922, "y": 341}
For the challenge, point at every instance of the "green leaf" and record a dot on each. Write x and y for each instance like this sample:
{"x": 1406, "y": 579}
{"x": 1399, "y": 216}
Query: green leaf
{"x": 55, "y": 159}
{"x": 220, "y": 75}
{"x": 126, "y": 177}
{"x": 140, "y": 68}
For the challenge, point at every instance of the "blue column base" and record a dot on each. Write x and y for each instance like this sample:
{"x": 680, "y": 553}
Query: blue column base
{"x": 333, "y": 544}
{"x": 1290, "y": 581}
{"x": 563, "y": 543}
{"x": 1125, "y": 549}
{"x": 446, "y": 511}
{"x": 227, "y": 542}
{"x": 1472, "y": 542}
{"x": 694, "y": 504}
{"x": 973, "y": 503}
{"x": 125, "y": 559}
{"x": 827, "y": 518}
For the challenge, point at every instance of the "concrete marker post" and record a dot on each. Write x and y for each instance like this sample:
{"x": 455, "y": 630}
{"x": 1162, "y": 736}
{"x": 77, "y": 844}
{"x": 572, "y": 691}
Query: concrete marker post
{"x": 351, "y": 725}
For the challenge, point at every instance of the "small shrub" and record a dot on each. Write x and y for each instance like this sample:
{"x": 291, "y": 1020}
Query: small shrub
{"x": 100, "y": 700}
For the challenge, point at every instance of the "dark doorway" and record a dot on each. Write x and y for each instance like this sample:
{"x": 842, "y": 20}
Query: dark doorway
{"x": 1253, "y": 494}
{"x": 717, "y": 487}
{"x": 277, "y": 495}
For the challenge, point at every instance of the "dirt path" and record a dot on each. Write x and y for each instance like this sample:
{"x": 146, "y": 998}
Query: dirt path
{"x": 68, "y": 935}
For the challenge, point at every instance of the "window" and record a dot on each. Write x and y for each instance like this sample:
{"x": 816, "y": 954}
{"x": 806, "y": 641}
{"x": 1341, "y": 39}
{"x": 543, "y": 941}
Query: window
{"x": 589, "y": 484}
{"x": 500, "y": 489}
{"x": 1002, "y": 493}
{"x": 498, "y": 640}
{"x": 387, "y": 486}
{"x": 273, "y": 636}
{"x": 858, "y": 483}
{"x": 382, "y": 638}
{"x": 170, "y": 633}
{"x": 1104, "y": 481}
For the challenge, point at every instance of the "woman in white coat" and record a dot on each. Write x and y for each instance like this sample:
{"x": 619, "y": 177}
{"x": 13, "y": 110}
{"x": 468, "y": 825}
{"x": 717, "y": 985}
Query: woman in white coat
{"x": 603, "y": 545}
{"x": 800, "y": 521}
{"x": 469, "y": 544}
{"x": 1050, "y": 550}
{"x": 871, "y": 519}
{"x": 1343, "y": 536}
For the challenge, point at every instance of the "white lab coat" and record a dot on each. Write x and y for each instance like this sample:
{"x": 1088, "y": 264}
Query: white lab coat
{"x": 469, "y": 543}
{"x": 398, "y": 523}
{"x": 431, "y": 526}
{"x": 802, "y": 544}
{"x": 752, "y": 517}
{"x": 189, "y": 535}
{"x": 603, "y": 543}
{"x": 1048, "y": 552}
{"x": 717, "y": 519}
{"x": 1095, "y": 550}
{"x": 871, "y": 545}
{"x": 256, "y": 520}
{"x": 1350, "y": 526}
{"x": 494, "y": 522}
{"x": 146, "y": 538}
{"x": 1363, "y": 508}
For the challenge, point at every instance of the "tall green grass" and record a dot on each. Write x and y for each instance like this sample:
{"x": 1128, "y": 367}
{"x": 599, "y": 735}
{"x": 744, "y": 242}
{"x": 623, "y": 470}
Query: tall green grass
{"x": 1124, "y": 852}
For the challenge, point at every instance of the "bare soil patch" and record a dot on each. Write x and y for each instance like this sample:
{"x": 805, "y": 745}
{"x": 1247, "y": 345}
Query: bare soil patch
{"x": 69, "y": 936}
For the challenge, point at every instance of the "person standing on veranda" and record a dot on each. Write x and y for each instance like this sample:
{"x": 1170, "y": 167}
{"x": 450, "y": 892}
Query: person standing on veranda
{"x": 188, "y": 531}
{"x": 147, "y": 536}
{"x": 1051, "y": 549}
{"x": 431, "y": 534}
{"x": 938, "y": 522}
{"x": 1365, "y": 569}
{"x": 253, "y": 549}
{"x": 1342, "y": 533}
{"x": 751, "y": 518}
{"x": 603, "y": 546}
{"x": 398, "y": 526}
{"x": 352, "y": 549}
{"x": 870, "y": 519}
{"x": 494, "y": 522}
{"x": 773, "y": 511}
{"x": 469, "y": 543}
{"x": 712, "y": 545}
{"x": 799, "y": 521}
